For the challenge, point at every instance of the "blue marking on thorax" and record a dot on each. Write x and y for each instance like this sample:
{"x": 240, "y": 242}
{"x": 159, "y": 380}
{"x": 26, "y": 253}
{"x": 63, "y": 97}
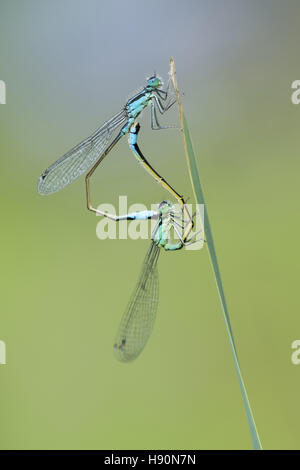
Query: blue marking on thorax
{"x": 136, "y": 105}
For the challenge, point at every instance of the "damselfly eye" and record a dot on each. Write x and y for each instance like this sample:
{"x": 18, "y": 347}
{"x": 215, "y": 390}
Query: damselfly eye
{"x": 154, "y": 82}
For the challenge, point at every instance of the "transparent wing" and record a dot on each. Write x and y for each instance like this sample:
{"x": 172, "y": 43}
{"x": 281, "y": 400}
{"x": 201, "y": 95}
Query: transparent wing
{"x": 75, "y": 162}
{"x": 138, "y": 320}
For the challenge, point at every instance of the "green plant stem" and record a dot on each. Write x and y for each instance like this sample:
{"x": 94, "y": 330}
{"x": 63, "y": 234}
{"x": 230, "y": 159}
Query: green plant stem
{"x": 199, "y": 197}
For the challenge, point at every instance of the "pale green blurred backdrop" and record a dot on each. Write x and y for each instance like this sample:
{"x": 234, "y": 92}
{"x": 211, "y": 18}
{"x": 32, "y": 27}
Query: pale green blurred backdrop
{"x": 70, "y": 65}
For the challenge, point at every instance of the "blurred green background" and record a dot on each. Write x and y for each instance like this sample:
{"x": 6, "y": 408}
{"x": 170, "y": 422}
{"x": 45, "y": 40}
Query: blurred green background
{"x": 70, "y": 65}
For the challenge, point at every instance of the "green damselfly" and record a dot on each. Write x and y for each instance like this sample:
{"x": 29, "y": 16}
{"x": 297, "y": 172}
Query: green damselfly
{"x": 138, "y": 320}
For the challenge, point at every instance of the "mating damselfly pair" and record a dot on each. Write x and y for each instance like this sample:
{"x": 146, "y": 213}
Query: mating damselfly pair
{"x": 137, "y": 322}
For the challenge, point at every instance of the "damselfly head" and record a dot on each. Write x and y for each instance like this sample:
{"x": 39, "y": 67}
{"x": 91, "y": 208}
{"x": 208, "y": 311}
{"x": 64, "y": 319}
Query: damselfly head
{"x": 154, "y": 82}
{"x": 165, "y": 206}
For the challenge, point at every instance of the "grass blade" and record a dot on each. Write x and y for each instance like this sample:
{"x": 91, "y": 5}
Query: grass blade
{"x": 199, "y": 197}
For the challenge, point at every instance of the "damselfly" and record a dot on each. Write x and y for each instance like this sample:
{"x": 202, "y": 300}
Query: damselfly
{"x": 138, "y": 320}
{"x": 91, "y": 151}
